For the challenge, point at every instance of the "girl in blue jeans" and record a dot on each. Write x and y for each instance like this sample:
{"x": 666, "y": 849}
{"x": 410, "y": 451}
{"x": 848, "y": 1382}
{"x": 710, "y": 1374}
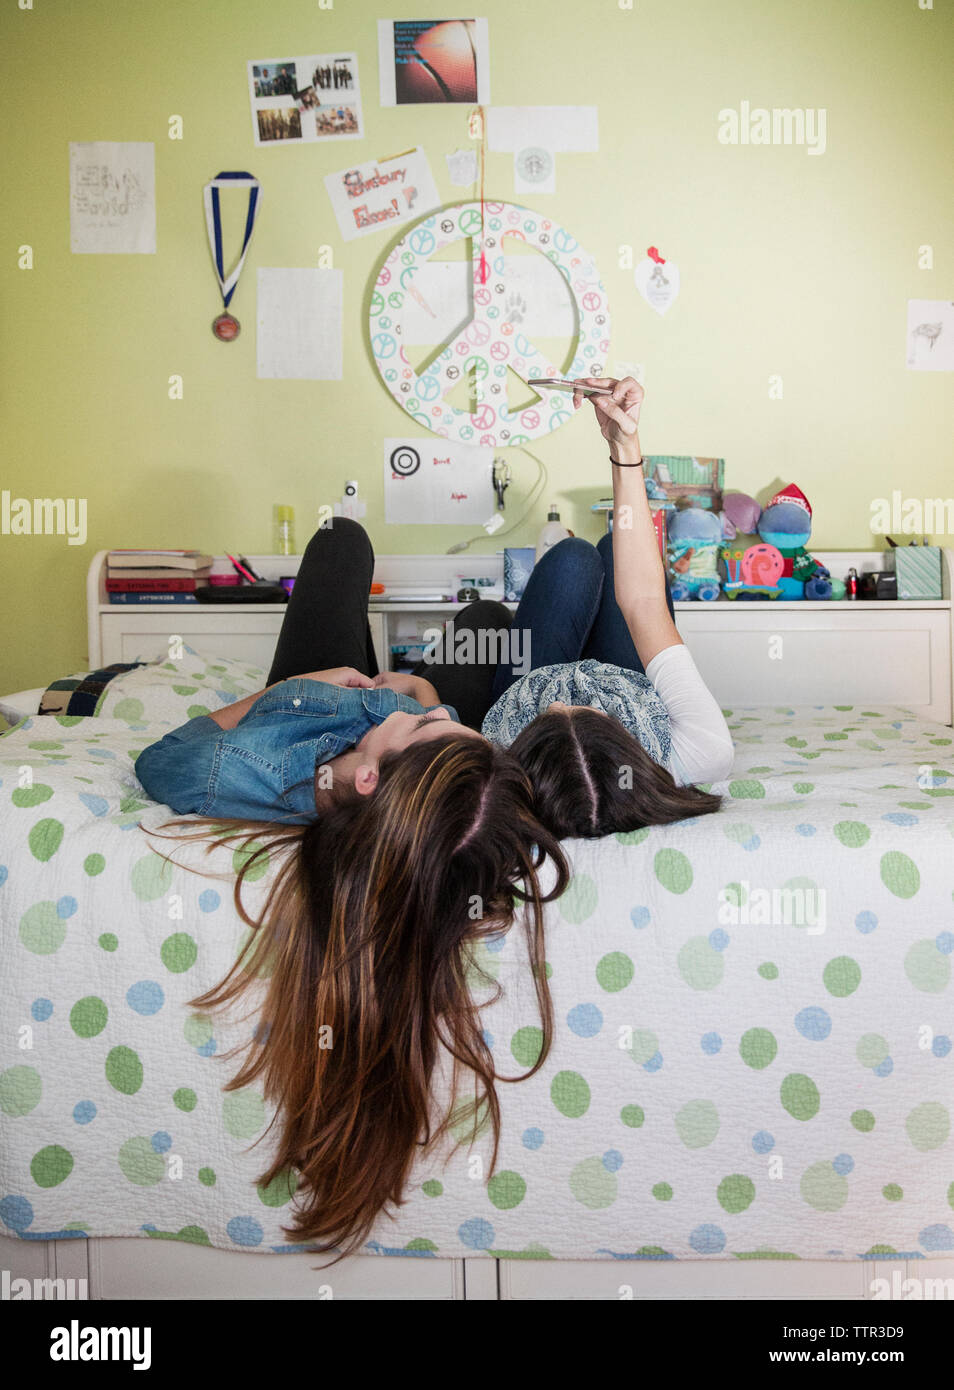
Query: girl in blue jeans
{"x": 613, "y": 722}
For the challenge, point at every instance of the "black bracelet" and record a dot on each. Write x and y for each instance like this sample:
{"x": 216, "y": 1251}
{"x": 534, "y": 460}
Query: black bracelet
{"x": 617, "y": 463}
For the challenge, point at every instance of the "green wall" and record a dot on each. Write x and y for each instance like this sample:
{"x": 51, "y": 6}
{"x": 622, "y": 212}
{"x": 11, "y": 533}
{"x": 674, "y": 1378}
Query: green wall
{"x": 791, "y": 263}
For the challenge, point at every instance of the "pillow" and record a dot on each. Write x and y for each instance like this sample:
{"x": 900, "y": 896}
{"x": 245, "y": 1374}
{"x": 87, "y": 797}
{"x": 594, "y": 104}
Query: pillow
{"x": 81, "y": 694}
{"x": 156, "y": 692}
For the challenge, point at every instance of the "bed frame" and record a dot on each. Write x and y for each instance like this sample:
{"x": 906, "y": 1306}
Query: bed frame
{"x": 132, "y": 1268}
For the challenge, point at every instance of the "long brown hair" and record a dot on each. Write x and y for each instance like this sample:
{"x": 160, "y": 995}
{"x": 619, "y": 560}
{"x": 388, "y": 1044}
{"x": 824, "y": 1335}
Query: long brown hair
{"x": 366, "y": 943}
{"x": 591, "y": 777}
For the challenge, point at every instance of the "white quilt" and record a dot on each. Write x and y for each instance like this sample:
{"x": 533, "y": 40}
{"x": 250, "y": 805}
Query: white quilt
{"x": 754, "y": 1012}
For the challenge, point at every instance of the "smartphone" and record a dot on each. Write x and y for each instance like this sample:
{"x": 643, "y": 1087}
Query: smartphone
{"x": 555, "y": 383}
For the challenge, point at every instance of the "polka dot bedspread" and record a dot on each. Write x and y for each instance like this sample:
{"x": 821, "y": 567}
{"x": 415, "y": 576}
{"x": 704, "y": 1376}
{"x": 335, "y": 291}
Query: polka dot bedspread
{"x": 754, "y": 1021}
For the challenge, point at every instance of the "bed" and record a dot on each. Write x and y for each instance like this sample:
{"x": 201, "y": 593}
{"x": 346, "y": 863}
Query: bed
{"x": 750, "y": 1088}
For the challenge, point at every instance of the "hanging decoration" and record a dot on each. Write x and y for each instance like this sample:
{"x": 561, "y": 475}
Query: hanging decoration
{"x": 657, "y": 280}
{"x": 226, "y": 327}
{"x": 492, "y": 344}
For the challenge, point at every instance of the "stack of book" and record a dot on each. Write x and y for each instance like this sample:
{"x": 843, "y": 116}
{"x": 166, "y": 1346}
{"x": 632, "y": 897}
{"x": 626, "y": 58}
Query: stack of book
{"x": 156, "y": 576}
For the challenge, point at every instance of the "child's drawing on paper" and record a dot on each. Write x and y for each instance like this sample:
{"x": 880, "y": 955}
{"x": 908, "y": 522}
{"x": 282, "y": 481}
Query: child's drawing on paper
{"x": 930, "y": 346}
{"x": 112, "y": 197}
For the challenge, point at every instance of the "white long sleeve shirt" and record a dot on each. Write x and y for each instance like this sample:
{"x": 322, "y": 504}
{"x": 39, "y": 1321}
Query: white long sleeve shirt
{"x": 702, "y": 748}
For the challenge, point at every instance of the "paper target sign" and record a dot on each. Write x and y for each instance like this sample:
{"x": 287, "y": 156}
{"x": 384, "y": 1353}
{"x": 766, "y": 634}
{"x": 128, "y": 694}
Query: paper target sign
{"x": 404, "y": 460}
{"x": 490, "y": 346}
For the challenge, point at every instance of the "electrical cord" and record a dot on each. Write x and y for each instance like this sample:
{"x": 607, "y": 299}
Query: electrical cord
{"x": 532, "y": 499}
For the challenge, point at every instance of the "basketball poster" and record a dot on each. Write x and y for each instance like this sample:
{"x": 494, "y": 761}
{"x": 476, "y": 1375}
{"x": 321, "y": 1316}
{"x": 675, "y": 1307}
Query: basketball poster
{"x": 427, "y": 61}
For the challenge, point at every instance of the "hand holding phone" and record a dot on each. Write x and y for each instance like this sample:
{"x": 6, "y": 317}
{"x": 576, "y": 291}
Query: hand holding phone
{"x": 617, "y": 411}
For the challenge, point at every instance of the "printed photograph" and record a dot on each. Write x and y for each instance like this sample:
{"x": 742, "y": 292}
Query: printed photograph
{"x": 279, "y": 123}
{"x": 337, "y": 120}
{"x": 435, "y": 61}
{"x": 278, "y": 80}
{"x": 335, "y": 74}
{"x": 323, "y": 85}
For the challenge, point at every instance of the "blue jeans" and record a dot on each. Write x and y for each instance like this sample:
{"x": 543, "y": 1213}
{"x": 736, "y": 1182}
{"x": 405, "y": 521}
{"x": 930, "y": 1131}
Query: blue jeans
{"x": 569, "y": 612}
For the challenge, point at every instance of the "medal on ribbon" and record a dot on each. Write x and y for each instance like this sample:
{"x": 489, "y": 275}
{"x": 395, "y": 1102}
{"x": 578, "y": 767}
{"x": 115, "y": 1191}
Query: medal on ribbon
{"x": 226, "y": 327}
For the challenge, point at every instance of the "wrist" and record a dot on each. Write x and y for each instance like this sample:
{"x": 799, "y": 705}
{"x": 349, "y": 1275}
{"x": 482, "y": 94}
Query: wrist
{"x": 627, "y": 450}
{"x": 425, "y": 693}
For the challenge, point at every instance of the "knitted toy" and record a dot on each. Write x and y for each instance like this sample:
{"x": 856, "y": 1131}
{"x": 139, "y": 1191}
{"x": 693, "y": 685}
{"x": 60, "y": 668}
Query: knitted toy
{"x": 785, "y": 524}
{"x": 694, "y": 537}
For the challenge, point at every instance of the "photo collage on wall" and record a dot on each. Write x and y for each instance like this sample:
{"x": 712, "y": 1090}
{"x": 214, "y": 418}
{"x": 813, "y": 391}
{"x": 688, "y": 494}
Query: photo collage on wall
{"x": 301, "y": 101}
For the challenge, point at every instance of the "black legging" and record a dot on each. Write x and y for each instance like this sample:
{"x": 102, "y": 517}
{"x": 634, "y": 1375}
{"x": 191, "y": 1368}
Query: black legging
{"x": 326, "y": 624}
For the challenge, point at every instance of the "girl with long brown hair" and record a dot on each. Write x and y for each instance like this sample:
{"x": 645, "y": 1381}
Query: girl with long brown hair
{"x": 403, "y": 839}
{"x": 363, "y": 966}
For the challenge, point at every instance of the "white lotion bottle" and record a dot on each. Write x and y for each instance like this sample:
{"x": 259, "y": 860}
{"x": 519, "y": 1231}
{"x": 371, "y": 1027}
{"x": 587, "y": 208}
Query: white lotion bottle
{"x": 552, "y": 532}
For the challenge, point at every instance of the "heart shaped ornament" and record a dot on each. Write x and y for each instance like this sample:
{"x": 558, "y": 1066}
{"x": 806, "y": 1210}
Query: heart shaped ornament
{"x": 657, "y": 282}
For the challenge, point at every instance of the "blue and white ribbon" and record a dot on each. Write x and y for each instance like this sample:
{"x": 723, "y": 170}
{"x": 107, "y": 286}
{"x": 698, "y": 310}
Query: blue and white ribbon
{"x": 213, "y": 222}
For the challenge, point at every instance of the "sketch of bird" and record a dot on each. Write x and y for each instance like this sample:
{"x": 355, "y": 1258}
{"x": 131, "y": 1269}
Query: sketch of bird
{"x": 930, "y": 331}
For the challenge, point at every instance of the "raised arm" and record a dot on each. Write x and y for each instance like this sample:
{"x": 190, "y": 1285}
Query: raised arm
{"x": 638, "y": 575}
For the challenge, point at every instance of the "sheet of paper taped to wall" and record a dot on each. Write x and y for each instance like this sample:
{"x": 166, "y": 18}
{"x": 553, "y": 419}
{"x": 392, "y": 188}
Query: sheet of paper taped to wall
{"x": 930, "y": 345}
{"x": 306, "y": 99}
{"x": 536, "y": 134}
{"x": 436, "y": 481}
{"x": 299, "y": 323}
{"x": 113, "y": 197}
{"x": 379, "y": 194}
{"x": 462, "y": 167}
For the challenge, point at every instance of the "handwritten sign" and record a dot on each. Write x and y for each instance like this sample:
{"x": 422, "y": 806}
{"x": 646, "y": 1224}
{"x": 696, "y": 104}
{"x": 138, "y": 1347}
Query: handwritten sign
{"x": 382, "y": 193}
{"x": 112, "y": 197}
{"x": 437, "y": 482}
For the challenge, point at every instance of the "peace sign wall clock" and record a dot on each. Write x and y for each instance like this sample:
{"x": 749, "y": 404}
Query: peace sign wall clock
{"x": 488, "y": 347}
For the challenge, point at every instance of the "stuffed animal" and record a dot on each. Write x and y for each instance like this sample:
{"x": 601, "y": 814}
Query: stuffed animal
{"x": 694, "y": 536}
{"x": 786, "y": 524}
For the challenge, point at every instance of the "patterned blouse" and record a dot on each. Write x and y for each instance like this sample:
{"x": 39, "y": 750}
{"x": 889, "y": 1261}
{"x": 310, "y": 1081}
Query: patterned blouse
{"x": 628, "y": 696}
